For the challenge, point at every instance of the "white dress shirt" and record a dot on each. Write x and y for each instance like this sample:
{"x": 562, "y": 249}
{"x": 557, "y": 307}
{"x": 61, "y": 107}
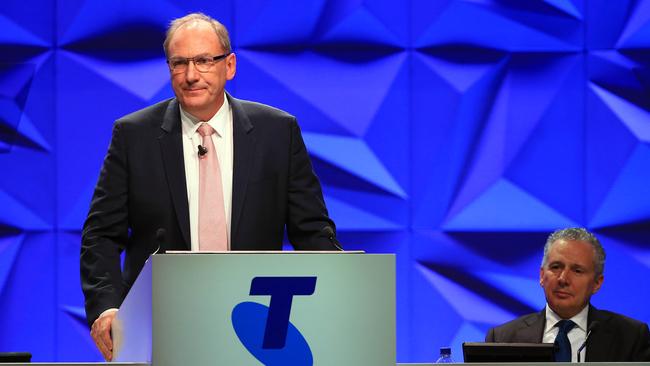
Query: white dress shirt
{"x": 577, "y": 334}
{"x": 223, "y": 142}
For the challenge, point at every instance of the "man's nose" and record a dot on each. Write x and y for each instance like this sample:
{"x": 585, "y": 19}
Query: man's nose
{"x": 564, "y": 276}
{"x": 191, "y": 74}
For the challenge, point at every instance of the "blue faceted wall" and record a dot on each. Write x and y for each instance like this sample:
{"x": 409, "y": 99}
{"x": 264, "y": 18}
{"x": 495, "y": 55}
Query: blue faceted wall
{"x": 456, "y": 134}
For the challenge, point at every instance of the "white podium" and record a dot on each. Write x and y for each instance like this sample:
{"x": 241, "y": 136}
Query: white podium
{"x": 254, "y": 308}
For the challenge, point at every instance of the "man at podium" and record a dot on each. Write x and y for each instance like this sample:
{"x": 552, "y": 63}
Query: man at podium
{"x": 571, "y": 272}
{"x": 203, "y": 171}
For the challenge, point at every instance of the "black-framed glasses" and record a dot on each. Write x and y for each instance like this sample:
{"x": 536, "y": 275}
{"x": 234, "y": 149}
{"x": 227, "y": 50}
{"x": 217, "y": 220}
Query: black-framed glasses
{"x": 203, "y": 63}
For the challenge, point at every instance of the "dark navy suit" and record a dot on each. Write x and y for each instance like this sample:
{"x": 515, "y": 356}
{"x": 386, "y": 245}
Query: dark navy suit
{"x": 142, "y": 189}
{"x": 616, "y": 339}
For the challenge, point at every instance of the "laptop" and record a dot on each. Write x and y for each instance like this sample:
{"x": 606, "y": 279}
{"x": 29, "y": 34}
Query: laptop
{"x": 508, "y": 352}
{"x": 10, "y": 357}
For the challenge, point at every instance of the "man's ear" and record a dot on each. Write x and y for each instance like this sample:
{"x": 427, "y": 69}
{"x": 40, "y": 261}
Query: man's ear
{"x": 598, "y": 283}
{"x": 231, "y": 66}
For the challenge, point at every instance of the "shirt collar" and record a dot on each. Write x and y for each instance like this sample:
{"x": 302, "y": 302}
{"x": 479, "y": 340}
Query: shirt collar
{"x": 580, "y": 319}
{"x": 190, "y": 124}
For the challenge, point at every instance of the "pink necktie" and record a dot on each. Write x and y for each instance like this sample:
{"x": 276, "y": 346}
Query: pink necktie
{"x": 212, "y": 215}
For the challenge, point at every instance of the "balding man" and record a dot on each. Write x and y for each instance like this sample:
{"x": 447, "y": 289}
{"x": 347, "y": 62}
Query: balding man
{"x": 202, "y": 171}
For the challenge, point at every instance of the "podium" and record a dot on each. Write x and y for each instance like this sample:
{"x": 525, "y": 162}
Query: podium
{"x": 260, "y": 308}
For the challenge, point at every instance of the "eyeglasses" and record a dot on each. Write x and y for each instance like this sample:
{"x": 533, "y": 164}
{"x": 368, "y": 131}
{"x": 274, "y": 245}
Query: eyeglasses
{"x": 203, "y": 63}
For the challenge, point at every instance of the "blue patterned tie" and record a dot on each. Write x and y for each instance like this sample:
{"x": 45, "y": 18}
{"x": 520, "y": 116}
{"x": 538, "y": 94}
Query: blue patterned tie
{"x": 563, "y": 346}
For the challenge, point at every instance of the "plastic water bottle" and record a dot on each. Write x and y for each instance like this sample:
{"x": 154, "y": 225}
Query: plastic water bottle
{"x": 445, "y": 355}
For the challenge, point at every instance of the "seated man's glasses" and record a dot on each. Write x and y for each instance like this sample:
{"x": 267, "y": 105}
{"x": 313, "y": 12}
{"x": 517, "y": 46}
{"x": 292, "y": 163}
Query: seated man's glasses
{"x": 203, "y": 63}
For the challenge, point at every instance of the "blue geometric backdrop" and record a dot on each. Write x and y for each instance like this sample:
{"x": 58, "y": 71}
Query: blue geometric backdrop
{"x": 456, "y": 134}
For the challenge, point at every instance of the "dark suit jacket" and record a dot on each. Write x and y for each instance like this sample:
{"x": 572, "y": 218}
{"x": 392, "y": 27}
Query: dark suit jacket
{"x": 142, "y": 189}
{"x": 616, "y": 339}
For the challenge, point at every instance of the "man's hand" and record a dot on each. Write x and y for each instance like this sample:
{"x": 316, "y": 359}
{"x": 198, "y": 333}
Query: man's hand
{"x": 101, "y": 333}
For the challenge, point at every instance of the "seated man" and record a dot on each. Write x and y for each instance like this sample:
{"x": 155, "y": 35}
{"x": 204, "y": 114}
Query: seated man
{"x": 572, "y": 271}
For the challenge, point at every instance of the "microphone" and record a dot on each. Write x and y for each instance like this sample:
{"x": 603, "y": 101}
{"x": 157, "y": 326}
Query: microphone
{"x": 594, "y": 324}
{"x": 160, "y": 239}
{"x": 202, "y": 151}
{"x": 331, "y": 236}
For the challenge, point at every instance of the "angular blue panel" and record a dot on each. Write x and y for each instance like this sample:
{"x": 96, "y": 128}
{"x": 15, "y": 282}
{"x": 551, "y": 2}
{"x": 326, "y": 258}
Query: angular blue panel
{"x": 30, "y": 135}
{"x": 422, "y": 14}
{"x": 460, "y": 75}
{"x": 509, "y": 208}
{"x": 26, "y": 129}
{"x": 541, "y": 156}
{"x": 394, "y": 15}
{"x": 14, "y": 79}
{"x": 607, "y": 19}
{"x": 311, "y": 76}
{"x": 77, "y": 314}
{"x": 360, "y": 27}
{"x": 76, "y": 207}
{"x": 334, "y": 12}
{"x": 267, "y": 23}
{"x": 97, "y": 18}
{"x": 219, "y": 10}
{"x": 642, "y": 256}
{"x": 14, "y": 33}
{"x": 388, "y": 136}
{"x": 525, "y": 289}
{"x": 81, "y": 150}
{"x": 354, "y": 156}
{"x": 603, "y": 165}
{"x": 15, "y": 82}
{"x": 561, "y": 19}
{"x": 39, "y": 101}
{"x": 633, "y": 117}
{"x": 442, "y": 249}
{"x": 344, "y": 189}
{"x": 16, "y": 128}
{"x": 612, "y": 70}
{"x": 488, "y": 160}
{"x": 254, "y": 83}
{"x": 566, "y": 6}
{"x": 10, "y": 115}
{"x": 141, "y": 78}
{"x": 464, "y": 302}
{"x": 433, "y": 319}
{"x": 488, "y": 29}
{"x": 15, "y": 214}
{"x": 357, "y": 219}
{"x": 637, "y": 31}
{"x": 433, "y": 157}
{"x": 546, "y": 86}
{"x": 462, "y": 143}
{"x": 629, "y": 197}
{"x": 9, "y": 248}
{"x": 28, "y": 301}
{"x": 496, "y": 251}
{"x": 35, "y": 18}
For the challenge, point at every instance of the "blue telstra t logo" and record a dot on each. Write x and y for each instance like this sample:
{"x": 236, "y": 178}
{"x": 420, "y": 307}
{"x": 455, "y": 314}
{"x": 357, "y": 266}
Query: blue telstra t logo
{"x": 266, "y": 332}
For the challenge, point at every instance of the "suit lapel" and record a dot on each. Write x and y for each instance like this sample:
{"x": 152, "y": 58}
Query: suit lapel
{"x": 601, "y": 339}
{"x": 171, "y": 147}
{"x": 533, "y": 332}
{"x": 243, "y": 152}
